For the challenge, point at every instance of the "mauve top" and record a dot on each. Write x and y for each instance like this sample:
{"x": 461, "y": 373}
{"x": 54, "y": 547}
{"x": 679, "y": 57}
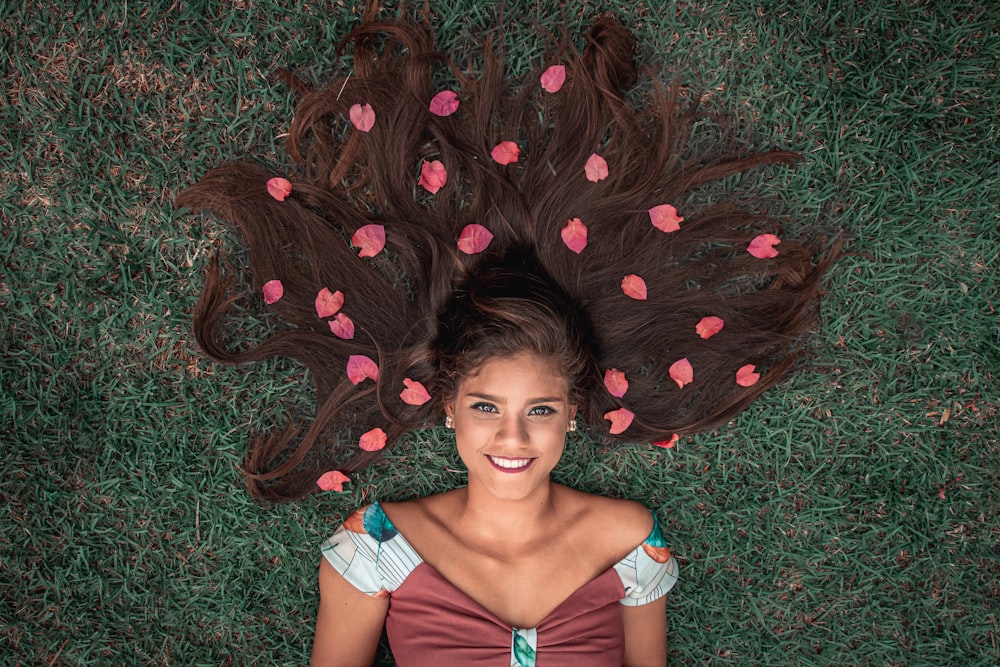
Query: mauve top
{"x": 431, "y": 623}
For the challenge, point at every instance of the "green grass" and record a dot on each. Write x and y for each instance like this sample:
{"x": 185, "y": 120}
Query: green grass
{"x": 848, "y": 517}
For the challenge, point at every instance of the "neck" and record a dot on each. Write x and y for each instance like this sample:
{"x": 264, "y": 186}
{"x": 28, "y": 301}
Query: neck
{"x": 504, "y": 521}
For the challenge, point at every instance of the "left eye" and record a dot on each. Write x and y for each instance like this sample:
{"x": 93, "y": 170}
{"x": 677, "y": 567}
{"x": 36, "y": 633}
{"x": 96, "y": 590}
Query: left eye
{"x": 543, "y": 410}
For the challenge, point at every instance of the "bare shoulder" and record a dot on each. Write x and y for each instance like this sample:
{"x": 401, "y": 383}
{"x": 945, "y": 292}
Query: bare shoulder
{"x": 624, "y": 523}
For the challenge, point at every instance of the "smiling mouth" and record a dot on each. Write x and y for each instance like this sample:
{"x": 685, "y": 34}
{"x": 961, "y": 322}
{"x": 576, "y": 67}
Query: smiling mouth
{"x": 510, "y": 465}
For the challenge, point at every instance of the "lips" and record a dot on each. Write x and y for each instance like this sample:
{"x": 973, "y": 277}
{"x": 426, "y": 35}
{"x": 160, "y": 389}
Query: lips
{"x": 509, "y": 465}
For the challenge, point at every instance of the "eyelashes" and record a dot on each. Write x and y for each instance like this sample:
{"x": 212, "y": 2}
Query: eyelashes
{"x": 535, "y": 411}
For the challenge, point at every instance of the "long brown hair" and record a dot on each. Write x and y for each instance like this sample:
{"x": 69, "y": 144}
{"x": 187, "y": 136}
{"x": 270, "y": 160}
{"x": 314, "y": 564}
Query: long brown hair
{"x": 410, "y": 302}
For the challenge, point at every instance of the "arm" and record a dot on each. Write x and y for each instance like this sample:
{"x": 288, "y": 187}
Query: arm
{"x": 349, "y": 624}
{"x": 646, "y": 634}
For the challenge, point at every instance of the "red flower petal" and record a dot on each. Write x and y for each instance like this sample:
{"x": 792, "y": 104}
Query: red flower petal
{"x": 370, "y": 238}
{"x": 444, "y": 103}
{"x": 474, "y": 238}
{"x": 342, "y": 326}
{"x": 553, "y": 78}
{"x": 433, "y": 176}
{"x": 273, "y": 291}
{"x": 664, "y": 217}
{"x": 328, "y": 303}
{"x": 574, "y": 235}
{"x": 615, "y": 382}
{"x": 668, "y": 444}
{"x": 634, "y": 286}
{"x": 620, "y": 420}
{"x": 373, "y": 440}
{"x": 505, "y": 152}
{"x": 362, "y": 117}
{"x": 596, "y": 168}
{"x": 360, "y": 368}
{"x": 415, "y": 393}
{"x": 709, "y": 326}
{"x": 746, "y": 377}
{"x": 332, "y": 481}
{"x": 762, "y": 247}
{"x": 279, "y": 188}
{"x": 681, "y": 372}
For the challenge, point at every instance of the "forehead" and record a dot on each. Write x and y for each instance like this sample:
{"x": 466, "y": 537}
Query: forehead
{"x": 523, "y": 373}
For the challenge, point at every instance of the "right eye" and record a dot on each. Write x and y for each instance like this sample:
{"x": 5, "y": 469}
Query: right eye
{"x": 484, "y": 407}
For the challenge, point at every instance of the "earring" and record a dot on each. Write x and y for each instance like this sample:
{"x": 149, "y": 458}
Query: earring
{"x": 572, "y": 425}
{"x": 449, "y": 422}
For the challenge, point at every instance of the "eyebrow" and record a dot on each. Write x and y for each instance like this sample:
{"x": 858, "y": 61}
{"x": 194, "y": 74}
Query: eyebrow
{"x": 497, "y": 399}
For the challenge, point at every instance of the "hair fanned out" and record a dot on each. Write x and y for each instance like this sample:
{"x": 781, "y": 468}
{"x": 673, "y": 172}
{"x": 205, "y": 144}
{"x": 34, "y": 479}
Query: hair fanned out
{"x": 344, "y": 179}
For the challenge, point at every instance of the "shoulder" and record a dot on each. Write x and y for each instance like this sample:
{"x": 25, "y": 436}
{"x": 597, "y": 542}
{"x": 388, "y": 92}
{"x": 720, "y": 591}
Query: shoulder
{"x": 622, "y": 524}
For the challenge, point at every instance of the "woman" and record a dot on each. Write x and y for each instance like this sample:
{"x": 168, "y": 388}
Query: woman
{"x": 522, "y": 566}
{"x": 465, "y": 253}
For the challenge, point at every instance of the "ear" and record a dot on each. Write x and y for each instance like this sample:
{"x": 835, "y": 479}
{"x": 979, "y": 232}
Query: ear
{"x": 449, "y": 408}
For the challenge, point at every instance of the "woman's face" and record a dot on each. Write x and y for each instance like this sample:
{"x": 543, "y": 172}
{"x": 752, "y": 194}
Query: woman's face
{"x": 511, "y": 419}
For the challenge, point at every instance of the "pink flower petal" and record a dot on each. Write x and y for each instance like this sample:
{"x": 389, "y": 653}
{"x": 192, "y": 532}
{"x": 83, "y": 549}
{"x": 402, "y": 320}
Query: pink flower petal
{"x": 332, "y": 481}
{"x": 681, "y": 372}
{"x": 328, "y": 303}
{"x": 506, "y": 152}
{"x": 746, "y": 376}
{"x": 360, "y": 368}
{"x": 553, "y": 78}
{"x": 596, "y": 168}
{"x": 433, "y": 176}
{"x": 415, "y": 393}
{"x": 279, "y": 188}
{"x": 362, "y": 117}
{"x": 574, "y": 235}
{"x": 664, "y": 217}
{"x": 620, "y": 420}
{"x": 634, "y": 286}
{"x": 373, "y": 440}
{"x": 370, "y": 238}
{"x": 668, "y": 444}
{"x": 444, "y": 103}
{"x": 273, "y": 291}
{"x": 709, "y": 326}
{"x": 342, "y": 326}
{"x": 615, "y": 382}
{"x": 474, "y": 239}
{"x": 762, "y": 247}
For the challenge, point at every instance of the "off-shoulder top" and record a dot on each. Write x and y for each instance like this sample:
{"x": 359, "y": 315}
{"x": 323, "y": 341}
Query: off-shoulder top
{"x": 430, "y": 622}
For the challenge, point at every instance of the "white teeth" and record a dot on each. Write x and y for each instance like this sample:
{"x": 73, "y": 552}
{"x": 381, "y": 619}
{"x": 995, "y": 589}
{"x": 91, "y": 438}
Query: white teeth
{"x": 510, "y": 463}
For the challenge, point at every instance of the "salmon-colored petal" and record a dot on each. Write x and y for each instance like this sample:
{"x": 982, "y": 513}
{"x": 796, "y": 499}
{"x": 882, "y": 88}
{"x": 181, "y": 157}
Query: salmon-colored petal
{"x": 332, "y": 481}
{"x": 747, "y": 376}
{"x": 667, "y": 444}
{"x": 279, "y": 188}
{"x": 444, "y": 103}
{"x": 596, "y": 168}
{"x": 620, "y": 420}
{"x": 273, "y": 291}
{"x": 664, "y": 217}
{"x": 506, "y": 152}
{"x": 433, "y": 176}
{"x": 659, "y": 554}
{"x": 360, "y": 368}
{"x": 356, "y": 522}
{"x": 634, "y": 286}
{"x": 553, "y": 78}
{"x": 574, "y": 235}
{"x": 615, "y": 382}
{"x": 370, "y": 238}
{"x": 415, "y": 393}
{"x": 373, "y": 440}
{"x": 709, "y": 326}
{"x": 342, "y": 326}
{"x": 328, "y": 303}
{"x": 362, "y": 117}
{"x": 681, "y": 372}
{"x": 762, "y": 247}
{"x": 474, "y": 239}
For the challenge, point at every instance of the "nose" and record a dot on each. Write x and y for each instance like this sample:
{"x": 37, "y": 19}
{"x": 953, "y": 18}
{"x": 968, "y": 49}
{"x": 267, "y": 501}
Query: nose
{"x": 512, "y": 431}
